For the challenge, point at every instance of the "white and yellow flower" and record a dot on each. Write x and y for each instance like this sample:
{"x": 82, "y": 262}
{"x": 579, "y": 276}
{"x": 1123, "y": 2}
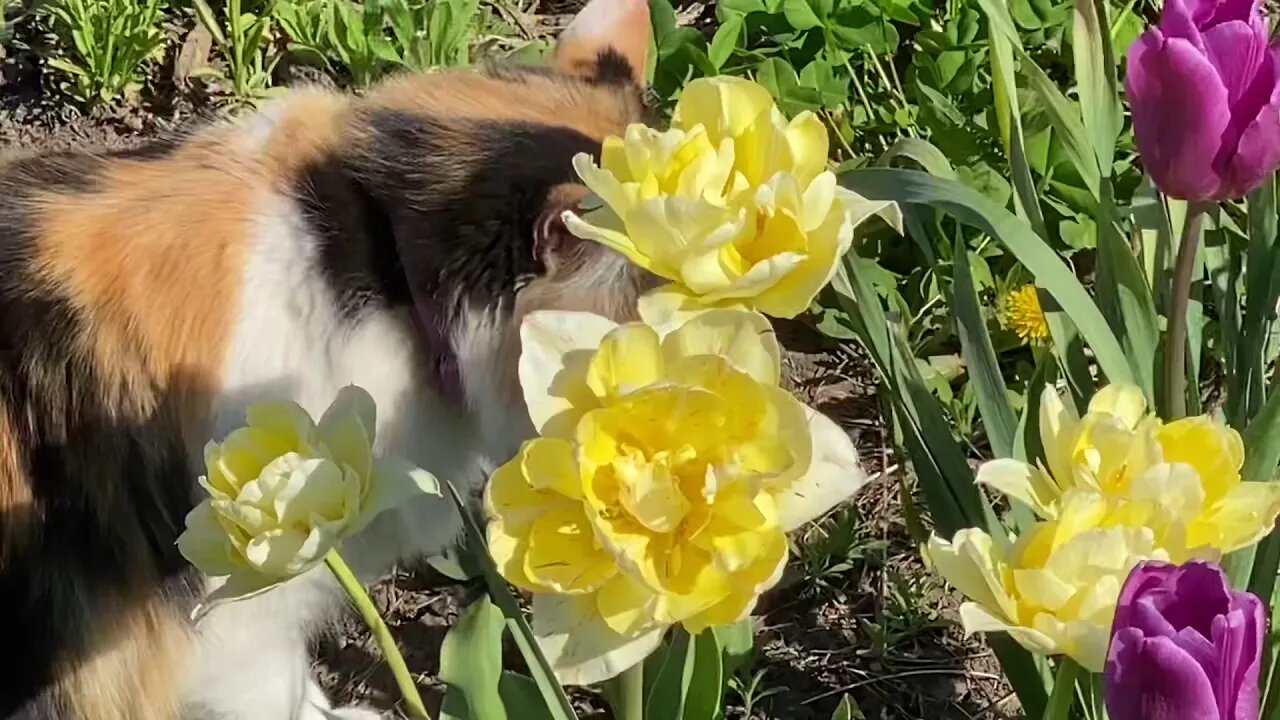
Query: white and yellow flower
{"x": 285, "y": 490}
{"x": 669, "y": 468}
{"x": 1118, "y": 486}
{"x": 733, "y": 204}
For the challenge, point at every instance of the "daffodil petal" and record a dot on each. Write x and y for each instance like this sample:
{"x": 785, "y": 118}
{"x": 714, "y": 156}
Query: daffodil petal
{"x": 556, "y": 349}
{"x": 1126, "y": 402}
{"x": 629, "y": 358}
{"x": 579, "y": 646}
{"x": 1022, "y": 482}
{"x": 969, "y": 562}
{"x": 746, "y": 339}
{"x": 669, "y": 307}
{"x": 835, "y": 475}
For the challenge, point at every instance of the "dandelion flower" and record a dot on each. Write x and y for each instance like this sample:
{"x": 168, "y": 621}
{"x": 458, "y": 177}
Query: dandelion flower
{"x": 1023, "y": 315}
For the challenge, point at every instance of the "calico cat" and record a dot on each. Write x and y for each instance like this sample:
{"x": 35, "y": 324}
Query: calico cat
{"x": 392, "y": 241}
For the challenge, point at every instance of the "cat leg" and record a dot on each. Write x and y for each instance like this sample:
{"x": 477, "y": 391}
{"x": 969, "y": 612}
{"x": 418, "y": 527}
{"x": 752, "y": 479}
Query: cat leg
{"x": 252, "y": 661}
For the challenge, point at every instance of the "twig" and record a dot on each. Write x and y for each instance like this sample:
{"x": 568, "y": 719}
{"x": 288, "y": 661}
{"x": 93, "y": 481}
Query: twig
{"x": 899, "y": 676}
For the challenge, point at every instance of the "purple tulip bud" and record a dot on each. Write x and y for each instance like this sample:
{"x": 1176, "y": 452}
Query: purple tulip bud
{"x": 1184, "y": 645}
{"x": 1204, "y": 86}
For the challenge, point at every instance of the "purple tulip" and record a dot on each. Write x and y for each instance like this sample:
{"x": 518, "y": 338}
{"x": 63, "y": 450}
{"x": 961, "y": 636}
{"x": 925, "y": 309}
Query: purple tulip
{"x": 1184, "y": 645}
{"x": 1204, "y": 86}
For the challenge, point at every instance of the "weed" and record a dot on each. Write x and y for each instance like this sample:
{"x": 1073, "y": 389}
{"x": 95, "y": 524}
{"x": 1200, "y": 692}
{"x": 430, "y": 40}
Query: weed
{"x": 246, "y": 44}
{"x": 105, "y": 45}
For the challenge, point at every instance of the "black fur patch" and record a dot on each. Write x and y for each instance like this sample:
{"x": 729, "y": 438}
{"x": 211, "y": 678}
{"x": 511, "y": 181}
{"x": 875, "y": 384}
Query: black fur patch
{"x": 109, "y": 496}
{"x": 449, "y": 204}
{"x": 613, "y": 69}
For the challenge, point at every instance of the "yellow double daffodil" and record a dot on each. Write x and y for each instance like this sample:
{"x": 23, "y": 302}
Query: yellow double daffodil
{"x": 733, "y": 204}
{"x": 669, "y": 468}
{"x": 1118, "y": 486}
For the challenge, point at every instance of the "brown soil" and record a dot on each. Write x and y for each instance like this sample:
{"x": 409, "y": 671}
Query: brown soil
{"x": 876, "y": 626}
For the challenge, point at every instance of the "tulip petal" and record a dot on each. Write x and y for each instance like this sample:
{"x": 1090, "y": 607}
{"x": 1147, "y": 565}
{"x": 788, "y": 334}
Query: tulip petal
{"x": 762, "y": 276}
{"x": 1180, "y": 111}
{"x": 1258, "y": 151}
{"x": 580, "y": 647}
{"x": 288, "y": 420}
{"x": 1237, "y": 52}
{"x": 808, "y": 143}
{"x": 556, "y": 350}
{"x": 834, "y": 475}
{"x": 746, "y": 339}
{"x": 348, "y": 428}
{"x": 393, "y": 483}
{"x": 1238, "y": 639}
{"x": 1024, "y": 483}
{"x": 239, "y": 586}
{"x": 1154, "y": 679}
{"x": 205, "y": 544}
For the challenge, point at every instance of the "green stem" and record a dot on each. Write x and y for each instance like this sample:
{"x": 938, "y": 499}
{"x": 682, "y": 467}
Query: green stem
{"x": 633, "y": 693}
{"x": 369, "y": 613}
{"x": 1175, "y": 354}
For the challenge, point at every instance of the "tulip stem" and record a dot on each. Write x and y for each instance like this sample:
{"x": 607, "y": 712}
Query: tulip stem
{"x": 364, "y": 605}
{"x": 633, "y": 692}
{"x": 1175, "y": 354}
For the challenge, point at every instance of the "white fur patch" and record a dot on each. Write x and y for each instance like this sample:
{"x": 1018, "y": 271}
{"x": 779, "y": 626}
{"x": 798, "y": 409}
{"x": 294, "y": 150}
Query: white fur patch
{"x": 291, "y": 343}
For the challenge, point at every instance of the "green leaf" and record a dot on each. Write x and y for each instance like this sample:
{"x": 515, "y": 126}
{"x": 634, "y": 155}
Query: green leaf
{"x": 1262, "y": 291}
{"x": 1004, "y": 88}
{"x": 671, "y": 686}
{"x": 553, "y": 696}
{"x": 209, "y": 21}
{"x": 1256, "y": 567}
{"x": 968, "y": 206}
{"x": 519, "y": 691}
{"x": 1061, "y": 111}
{"x": 923, "y": 152}
{"x": 471, "y": 664}
{"x": 1124, "y": 295}
{"x": 980, "y": 356}
{"x": 800, "y": 14}
{"x": 1064, "y": 690}
{"x": 725, "y": 41}
{"x": 736, "y": 643}
{"x": 706, "y": 682}
{"x": 848, "y": 710}
{"x": 940, "y": 464}
{"x": 1095, "y": 69}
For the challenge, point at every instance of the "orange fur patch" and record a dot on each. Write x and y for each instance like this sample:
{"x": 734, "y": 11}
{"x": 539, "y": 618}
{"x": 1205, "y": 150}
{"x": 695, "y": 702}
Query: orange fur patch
{"x": 153, "y": 263}
{"x": 136, "y": 672}
{"x": 594, "y": 110}
{"x": 16, "y": 501}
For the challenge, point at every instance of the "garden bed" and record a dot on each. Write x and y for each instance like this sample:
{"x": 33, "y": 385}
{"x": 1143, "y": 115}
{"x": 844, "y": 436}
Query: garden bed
{"x": 857, "y": 614}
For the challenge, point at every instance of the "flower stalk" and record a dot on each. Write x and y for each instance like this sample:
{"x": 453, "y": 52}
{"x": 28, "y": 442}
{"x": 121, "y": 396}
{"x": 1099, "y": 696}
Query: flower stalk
{"x": 364, "y": 605}
{"x": 1175, "y": 357}
{"x": 632, "y": 687}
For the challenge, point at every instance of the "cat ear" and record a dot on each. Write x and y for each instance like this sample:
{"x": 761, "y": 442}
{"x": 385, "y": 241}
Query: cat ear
{"x": 608, "y": 41}
{"x": 553, "y": 245}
